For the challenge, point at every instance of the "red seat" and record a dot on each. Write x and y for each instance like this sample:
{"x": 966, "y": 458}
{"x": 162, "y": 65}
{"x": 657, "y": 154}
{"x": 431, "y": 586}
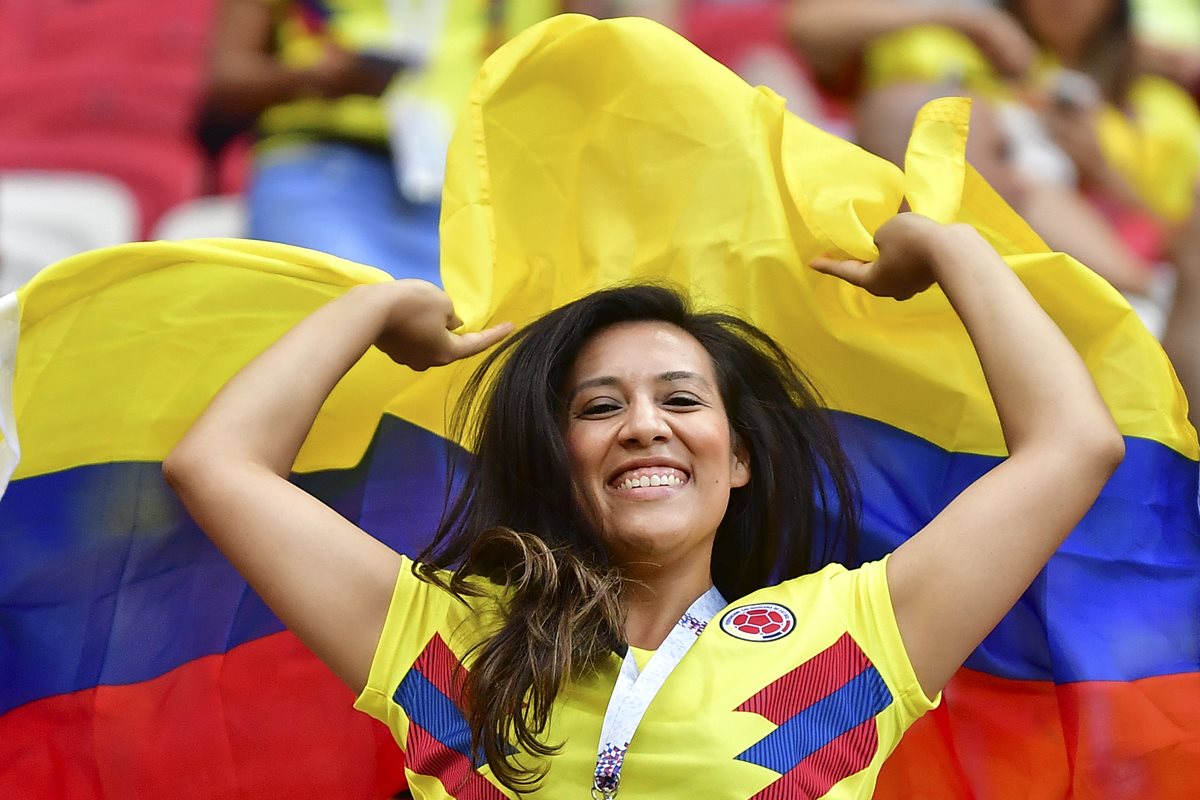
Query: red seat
{"x": 155, "y": 32}
{"x": 52, "y": 98}
{"x": 161, "y": 172}
{"x": 18, "y": 24}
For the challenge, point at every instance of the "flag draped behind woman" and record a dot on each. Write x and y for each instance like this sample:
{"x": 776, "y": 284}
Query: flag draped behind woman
{"x": 134, "y": 662}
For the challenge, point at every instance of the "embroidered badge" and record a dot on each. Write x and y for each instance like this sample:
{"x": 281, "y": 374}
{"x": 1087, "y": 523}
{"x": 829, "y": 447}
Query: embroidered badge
{"x": 760, "y": 622}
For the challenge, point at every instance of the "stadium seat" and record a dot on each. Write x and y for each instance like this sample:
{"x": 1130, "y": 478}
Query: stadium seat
{"x": 48, "y": 216}
{"x": 18, "y": 21}
{"x": 160, "y": 172}
{"x": 98, "y": 98}
{"x": 135, "y": 31}
{"x": 205, "y": 217}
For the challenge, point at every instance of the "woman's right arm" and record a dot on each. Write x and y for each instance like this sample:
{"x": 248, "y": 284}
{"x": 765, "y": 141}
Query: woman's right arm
{"x": 329, "y": 581}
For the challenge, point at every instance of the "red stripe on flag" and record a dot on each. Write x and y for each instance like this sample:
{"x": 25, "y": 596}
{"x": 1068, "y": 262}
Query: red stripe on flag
{"x": 428, "y": 756}
{"x": 820, "y": 676}
{"x": 1101, "y": 740}
{"x": 265, "y": 719}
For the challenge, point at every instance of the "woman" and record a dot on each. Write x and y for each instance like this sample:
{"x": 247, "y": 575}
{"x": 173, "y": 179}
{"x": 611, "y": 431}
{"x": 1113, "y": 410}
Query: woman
{"x": 797, "y": 688}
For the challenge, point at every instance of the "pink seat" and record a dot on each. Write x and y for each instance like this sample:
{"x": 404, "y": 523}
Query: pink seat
{"x": 18, "y": 24}
{"x": 161, "y": 172}
{"x": 134, "y": 31}
{"x": 51, "y": 98}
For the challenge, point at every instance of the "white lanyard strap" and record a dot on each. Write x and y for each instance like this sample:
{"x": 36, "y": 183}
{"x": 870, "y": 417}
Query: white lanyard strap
{"x": 634, "y": 692}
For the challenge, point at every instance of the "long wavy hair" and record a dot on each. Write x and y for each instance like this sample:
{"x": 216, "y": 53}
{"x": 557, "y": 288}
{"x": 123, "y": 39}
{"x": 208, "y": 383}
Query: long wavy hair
{"x": 514, "y": 517}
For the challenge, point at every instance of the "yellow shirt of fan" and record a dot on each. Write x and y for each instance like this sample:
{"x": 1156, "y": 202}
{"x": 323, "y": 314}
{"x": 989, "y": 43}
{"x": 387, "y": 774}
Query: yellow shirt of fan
{"x": 305, "y": 27}
{"x": 797, "y": 690}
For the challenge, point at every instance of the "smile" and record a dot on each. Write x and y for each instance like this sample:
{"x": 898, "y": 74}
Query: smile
{"x": 647, "y": 477}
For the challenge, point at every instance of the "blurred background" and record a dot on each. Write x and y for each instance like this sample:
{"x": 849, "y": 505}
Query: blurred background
{"x": 324, "y": 123}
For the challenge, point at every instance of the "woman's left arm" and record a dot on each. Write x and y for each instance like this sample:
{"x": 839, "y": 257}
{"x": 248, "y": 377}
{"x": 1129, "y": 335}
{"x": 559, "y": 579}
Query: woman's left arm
{"x": 953, "y": 581}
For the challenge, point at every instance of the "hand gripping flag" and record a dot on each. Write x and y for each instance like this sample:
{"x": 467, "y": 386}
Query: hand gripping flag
{"x": 135, "y": 663}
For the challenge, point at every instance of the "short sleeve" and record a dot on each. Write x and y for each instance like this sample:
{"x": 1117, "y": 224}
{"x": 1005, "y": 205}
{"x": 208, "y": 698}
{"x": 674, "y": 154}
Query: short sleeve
{"x": 866, "y": 603}
{"x": 419, "y": 610}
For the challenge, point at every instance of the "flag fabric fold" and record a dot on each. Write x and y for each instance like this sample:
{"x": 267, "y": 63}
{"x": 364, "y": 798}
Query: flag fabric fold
{"x": 134, "y": 662}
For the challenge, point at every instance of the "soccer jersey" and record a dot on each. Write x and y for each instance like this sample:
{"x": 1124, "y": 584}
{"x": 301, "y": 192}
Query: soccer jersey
{"x": 795, "y": 691}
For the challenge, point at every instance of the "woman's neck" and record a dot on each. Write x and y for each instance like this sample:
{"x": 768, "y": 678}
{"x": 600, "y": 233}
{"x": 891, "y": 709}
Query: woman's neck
{"x": 655, "y": 600}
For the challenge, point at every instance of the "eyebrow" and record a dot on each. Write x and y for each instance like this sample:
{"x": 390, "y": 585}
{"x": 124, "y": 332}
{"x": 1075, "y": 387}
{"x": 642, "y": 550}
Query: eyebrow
{"x": 663, "y": 377}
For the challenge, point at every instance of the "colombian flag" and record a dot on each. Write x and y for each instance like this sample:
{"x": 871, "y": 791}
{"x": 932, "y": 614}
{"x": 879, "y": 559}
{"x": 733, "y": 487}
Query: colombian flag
{"x": 134, "y": 662}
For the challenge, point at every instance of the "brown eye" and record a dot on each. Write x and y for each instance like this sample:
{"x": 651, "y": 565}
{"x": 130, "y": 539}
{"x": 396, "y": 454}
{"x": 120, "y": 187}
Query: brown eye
{"x": 682, "y": 400}
{"x": 599, "y": 408}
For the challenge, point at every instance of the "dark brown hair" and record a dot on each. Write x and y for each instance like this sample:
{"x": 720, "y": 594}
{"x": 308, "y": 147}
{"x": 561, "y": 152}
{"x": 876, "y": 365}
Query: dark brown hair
{"x": 514, "y": 518}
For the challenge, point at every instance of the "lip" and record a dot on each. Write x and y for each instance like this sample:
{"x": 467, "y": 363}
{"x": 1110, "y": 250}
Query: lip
{"x": 643, "y": 463}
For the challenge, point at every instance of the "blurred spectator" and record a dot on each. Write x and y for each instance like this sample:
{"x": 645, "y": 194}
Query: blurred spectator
{"x": 902, "y": 54}
{"x": 1131, "y": 137}
{"x": 1058, "y": 213}
{"x": 1127, "y": 138}
{"x": 1168, "y": 39}
{"x": 834, "y": 35}
{"x": 353, "y": 109}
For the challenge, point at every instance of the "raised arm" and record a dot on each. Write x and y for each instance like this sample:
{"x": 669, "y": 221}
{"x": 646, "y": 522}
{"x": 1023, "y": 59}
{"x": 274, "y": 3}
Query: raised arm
{"x": 833, "y": 33}
{"x": 953, "y": 581}
{"x": 329, "y": 581}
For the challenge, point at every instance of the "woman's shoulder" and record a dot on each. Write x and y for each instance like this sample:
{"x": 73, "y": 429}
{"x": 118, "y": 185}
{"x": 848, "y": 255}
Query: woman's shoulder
{"x": 821, "y": 580}
{"x": 440, "y": 586}
{"x": 841, "y": 597}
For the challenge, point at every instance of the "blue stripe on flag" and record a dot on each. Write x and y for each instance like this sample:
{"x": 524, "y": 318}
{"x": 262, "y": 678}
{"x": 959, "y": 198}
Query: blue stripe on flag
{"x": 104, "y": 579}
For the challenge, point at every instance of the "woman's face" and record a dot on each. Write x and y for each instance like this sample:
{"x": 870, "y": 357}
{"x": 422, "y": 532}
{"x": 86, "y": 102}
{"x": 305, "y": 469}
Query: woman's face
{"x": 649, "y": 443}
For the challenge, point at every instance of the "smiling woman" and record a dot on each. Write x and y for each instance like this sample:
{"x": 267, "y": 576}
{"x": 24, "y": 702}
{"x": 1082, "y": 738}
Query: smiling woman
{"x": 640, "y": 470}
{"x": 650, "y": 420}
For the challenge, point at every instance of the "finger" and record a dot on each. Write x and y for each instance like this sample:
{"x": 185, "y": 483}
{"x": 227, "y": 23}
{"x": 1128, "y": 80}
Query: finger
{"x": 468, "y": 344}
{"x": 454, "y": 322}
{"x": 849, "y": 270}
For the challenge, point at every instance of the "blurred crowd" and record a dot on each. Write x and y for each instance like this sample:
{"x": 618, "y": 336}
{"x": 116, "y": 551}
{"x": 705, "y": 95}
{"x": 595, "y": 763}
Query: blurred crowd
{"x": 324, "y": 123}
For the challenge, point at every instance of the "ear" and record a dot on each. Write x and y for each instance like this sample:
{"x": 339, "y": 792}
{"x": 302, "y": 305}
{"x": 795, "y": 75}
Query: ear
{"x": 740, "y": 474}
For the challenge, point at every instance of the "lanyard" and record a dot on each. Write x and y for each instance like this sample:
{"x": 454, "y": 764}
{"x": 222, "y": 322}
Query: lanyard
{"x": 635, "y": 690}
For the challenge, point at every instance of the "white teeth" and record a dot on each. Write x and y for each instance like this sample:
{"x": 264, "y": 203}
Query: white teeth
{"x": 651, "y": 480}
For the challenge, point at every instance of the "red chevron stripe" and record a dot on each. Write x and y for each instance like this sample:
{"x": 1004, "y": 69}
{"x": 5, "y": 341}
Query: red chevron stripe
{"x": 822, "y": 770}
{"x": 816, "y": 678}
{"x": 442, "y": 668}
{"x": 428, "y": 756}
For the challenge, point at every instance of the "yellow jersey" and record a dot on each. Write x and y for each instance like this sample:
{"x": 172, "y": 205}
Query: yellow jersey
{"x": 797, "y": 690}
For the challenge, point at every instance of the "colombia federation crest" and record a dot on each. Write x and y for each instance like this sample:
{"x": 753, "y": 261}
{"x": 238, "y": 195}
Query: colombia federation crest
{"x": 759, "y": 622}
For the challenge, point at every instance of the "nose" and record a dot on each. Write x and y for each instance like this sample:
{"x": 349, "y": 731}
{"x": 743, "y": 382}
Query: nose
{"x": 645, "y": 424}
